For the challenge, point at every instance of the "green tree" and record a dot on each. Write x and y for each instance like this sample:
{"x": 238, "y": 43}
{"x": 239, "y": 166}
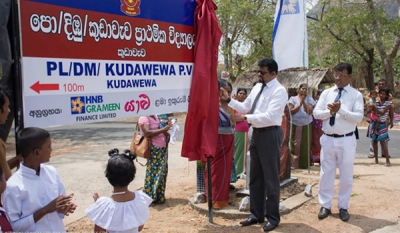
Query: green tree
{"x": 354, "y": 29}
{"x": 345, "y": 35}
{"x": 247, "y": 30}
{"x": 385, "y": 34}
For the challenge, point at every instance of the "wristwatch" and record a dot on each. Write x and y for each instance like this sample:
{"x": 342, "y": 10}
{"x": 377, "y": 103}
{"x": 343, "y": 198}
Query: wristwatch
{"x": 228, "y": 100}
{"x": 245, "y": 118}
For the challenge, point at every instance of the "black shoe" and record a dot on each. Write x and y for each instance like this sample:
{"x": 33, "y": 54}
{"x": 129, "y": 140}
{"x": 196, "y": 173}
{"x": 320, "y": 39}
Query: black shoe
{"x": 269, "y": 227}
{"x": 344, "y": 215}
{"x": 323, "y": 213}
{"x": 250, "y": 221}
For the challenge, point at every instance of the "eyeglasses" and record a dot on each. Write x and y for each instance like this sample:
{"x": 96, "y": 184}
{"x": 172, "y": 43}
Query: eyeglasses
{"x": 262, "y": 72}
{"x": 339, "y": 75}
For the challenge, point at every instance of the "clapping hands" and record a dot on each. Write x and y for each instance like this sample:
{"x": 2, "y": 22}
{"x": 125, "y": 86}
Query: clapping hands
{"x": 302, "y": 98}
{"x": 62, "y": 204}
{"x": 334, "y": 107}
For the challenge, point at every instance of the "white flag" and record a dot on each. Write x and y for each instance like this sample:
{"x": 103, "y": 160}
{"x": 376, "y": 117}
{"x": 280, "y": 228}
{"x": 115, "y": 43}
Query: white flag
{"x": 289, "y": 39}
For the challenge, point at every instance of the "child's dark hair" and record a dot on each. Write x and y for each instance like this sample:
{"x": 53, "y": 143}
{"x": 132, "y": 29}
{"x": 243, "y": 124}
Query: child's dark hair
{"x": 120, "y": 169}
{"x": 241, "y": 89}
{"x": 31, "y": 138}
{"x": 373, "y": 92}
{"x": 224, "y": 83}
{"x": 387, "y": 91}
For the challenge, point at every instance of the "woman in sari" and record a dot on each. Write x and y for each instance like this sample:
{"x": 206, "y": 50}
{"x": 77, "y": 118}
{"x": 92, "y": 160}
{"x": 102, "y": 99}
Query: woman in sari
{"x": 157, "y": 166}
{"x": 301, "y": 108}
{"x": 221, "y": 164}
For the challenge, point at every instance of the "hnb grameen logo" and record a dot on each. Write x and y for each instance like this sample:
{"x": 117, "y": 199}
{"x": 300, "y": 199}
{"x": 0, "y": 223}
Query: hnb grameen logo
{"x": 78, "y": 105}
{"x": 92, "y": 104}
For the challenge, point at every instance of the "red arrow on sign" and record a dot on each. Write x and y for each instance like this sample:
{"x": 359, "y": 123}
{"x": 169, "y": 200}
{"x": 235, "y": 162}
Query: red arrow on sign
{"x": 45, "y": 87}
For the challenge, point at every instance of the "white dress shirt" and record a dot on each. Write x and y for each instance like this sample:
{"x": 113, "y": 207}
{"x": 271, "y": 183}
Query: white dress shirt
{"x": 350, "y": 113}
{"x": 26, "y": 193}
{"x": 269, "y": 108}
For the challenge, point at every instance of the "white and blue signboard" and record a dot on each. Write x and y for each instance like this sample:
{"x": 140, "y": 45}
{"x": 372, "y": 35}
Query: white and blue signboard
{"x": 86, "y": 61}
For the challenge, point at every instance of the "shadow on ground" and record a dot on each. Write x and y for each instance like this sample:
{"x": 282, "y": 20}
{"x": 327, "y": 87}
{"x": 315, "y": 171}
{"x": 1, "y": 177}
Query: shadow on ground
{"x": 372, "y": 164}
{"x": 234, "y": 227}
{"x": 294, "y": 227}
{"x": 367, "y": 224}
{"x": 170, "y": 203}
{"x": 283, "y": 227}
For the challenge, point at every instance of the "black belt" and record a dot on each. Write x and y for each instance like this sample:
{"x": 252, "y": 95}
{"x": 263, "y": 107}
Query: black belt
{"x": 259, "y": 130}
{"x": 339, "y": 135}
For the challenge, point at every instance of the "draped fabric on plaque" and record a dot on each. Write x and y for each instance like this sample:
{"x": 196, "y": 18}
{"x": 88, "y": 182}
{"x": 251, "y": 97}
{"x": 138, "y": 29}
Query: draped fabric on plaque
{"x": 289, "y": 39}
{"x": 201, "y": 127}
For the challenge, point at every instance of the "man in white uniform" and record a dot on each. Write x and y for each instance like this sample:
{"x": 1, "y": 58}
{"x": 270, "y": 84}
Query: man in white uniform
{"x": 341, "y": 108}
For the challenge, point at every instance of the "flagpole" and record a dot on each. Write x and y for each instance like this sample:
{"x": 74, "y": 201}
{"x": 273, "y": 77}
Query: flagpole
{"x": 308, "y": 134}
{"x": 210, "y": 208}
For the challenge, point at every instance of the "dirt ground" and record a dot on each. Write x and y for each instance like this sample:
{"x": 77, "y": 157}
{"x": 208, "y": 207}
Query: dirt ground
{"x": 373, "y": 203}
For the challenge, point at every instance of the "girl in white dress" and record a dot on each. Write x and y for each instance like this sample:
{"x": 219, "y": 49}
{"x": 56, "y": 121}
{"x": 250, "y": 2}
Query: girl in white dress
{"x": 124, "y": 211}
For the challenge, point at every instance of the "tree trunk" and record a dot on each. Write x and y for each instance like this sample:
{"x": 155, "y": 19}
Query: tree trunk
{"x": 369, "y": 69}
{"x": 230, "y": 57}
{"x": 225, "y": 53}
{"x": 369, "y": 77}
{"x": 226, "y": 68}
{"x": 388, "y": 73}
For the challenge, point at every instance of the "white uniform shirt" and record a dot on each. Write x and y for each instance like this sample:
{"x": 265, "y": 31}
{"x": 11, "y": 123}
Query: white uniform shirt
{"x": 269, "y": 108}
{"x": 26, "y": 193}
{"x": 350, "y": 113}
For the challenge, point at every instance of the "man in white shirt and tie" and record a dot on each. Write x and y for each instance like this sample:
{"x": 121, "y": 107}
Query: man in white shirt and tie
{"x": 340, "y": 107}
{"x": 264, "y": 106}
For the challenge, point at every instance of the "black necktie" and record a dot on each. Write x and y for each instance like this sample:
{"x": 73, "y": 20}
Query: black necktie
{"x": 332, "y": 119}
{"x": 253, "y": 107}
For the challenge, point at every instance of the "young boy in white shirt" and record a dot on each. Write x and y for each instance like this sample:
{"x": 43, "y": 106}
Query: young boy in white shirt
{"x": 35, "y": 199}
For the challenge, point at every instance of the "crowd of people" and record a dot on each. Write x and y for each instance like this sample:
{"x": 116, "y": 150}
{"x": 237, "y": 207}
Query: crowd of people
{"x": 323, "y": 131}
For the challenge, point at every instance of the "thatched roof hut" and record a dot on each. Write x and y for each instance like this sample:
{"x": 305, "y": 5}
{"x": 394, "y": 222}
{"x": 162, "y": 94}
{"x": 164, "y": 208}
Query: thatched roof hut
{"x": 292, "y": 78}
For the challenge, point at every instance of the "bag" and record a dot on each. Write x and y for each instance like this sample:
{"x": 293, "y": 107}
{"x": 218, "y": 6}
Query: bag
{"x": 140, "y": 144}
